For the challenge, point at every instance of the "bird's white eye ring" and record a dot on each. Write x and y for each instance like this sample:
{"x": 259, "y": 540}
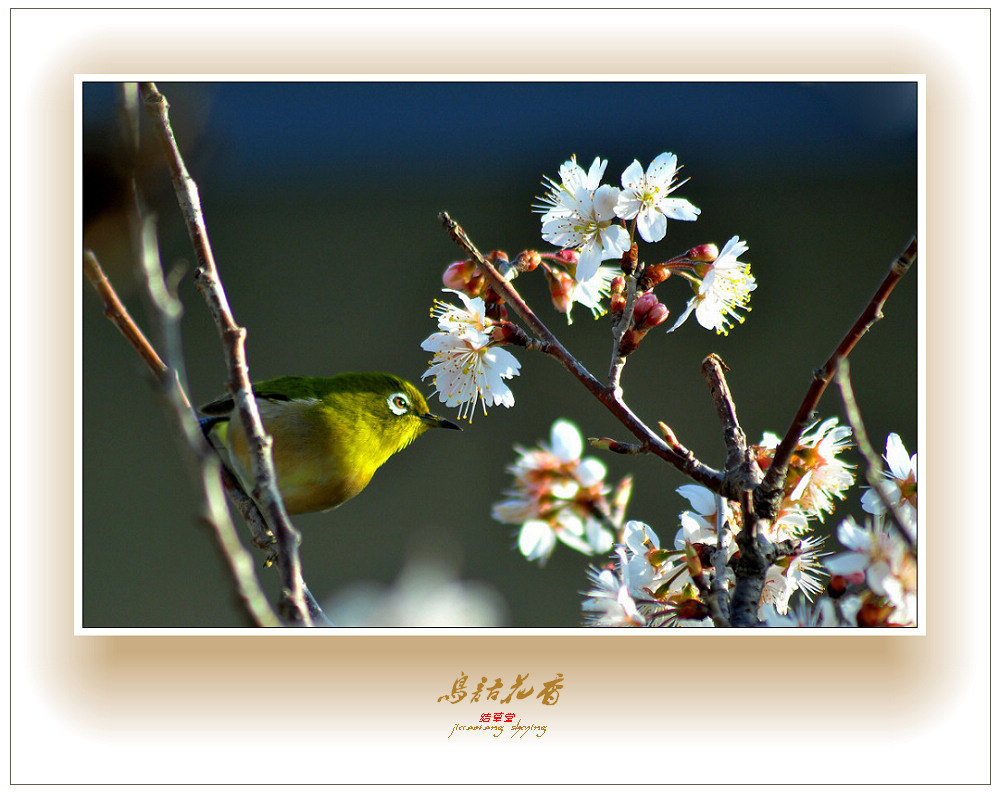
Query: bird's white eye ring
{"x": 399, "y": 403}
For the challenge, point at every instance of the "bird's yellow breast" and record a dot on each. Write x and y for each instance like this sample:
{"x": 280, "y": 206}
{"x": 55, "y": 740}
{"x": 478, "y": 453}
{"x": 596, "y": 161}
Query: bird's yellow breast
{"x": 322, "y": 455}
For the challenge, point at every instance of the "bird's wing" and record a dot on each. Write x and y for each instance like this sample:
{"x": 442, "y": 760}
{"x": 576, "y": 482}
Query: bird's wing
{"x": 223, "y": 406}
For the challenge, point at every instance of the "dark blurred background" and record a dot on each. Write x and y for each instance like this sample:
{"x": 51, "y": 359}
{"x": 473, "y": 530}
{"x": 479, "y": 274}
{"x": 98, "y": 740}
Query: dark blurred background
{"x": 321, "y": 200}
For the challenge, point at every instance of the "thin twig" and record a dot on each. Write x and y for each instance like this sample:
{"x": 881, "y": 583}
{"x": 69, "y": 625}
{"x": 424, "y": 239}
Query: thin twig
{"x": 618, "y": 332}
{"x": 768, "y": 495}
{"x": 689, "y": 465}
{"x": 212, "y": 470}
{"x": 234, "y": 337}
{"x": 115, "y": 311}
{"x": 873, "y": 465}
{"x": 213, "y": 510}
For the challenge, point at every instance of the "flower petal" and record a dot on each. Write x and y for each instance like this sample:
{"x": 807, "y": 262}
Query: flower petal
{"x": 679, "y": 209}
{"x": 896, "y": 456}
{"x": 633, "y": 176}
{"x": 566, "y": 441}
{"x": 652, "y": 225}
{"x": 536, "y": 540}
{"x": 661, "y": 170}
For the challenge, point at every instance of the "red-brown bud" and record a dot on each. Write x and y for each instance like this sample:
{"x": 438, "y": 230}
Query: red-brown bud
{"x": 508, "y": 333}
{"x": 495, "y": 307}
{"x": 561, "y": 289}
{"x": 763, "y": 456}
{"x": 630, "y": 341}
{"x": 616, "y": 307}
{"x": 873, "y": 615}
{"x": 693, "y": 560}
{"x": 527, "y": 261}
{"x": 617, "y": 303}
{"x": 705, "y": 552}
{"x": 707, "y": 252}
{"x": 654, "y": 274}
{"x": 837, "y": 586}
{"x": 692, "y": 610}
{"x": 630, "y": 259}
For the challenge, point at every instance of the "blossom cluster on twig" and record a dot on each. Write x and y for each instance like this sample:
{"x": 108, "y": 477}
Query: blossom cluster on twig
{"x": 590, "y": 223}
{"x": 764, "y": 512}
{"x": 870, "y": 584}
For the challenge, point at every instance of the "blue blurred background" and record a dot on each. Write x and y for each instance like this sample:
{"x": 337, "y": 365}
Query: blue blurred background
{"x": 321, "y": 200}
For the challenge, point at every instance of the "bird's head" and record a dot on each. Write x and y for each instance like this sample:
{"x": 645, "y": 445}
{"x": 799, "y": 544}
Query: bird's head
{"x": 397, "y": 412}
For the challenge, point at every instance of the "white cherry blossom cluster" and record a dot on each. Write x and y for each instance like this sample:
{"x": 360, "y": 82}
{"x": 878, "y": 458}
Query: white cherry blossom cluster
{"x": 658, "y": 579}
{"x": 467, "y": 365}
{"x": 590, "y": 223}
{"x": 871, "y": 583}
{"x": 557, "y": 496}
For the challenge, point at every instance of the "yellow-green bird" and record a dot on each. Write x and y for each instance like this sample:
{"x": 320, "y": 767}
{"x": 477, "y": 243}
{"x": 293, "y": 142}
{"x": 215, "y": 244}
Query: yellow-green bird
{"x": 331, "y": 434}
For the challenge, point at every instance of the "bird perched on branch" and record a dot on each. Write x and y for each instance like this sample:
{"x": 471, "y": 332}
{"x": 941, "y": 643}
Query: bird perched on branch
{"x": 330, "y": 433}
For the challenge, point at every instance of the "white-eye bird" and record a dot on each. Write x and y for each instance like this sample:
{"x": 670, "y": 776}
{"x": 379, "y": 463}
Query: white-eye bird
{"x": 330, "y": 433}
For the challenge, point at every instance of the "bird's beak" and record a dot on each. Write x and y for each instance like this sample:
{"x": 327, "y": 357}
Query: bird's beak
{"x": 438, "y": 421}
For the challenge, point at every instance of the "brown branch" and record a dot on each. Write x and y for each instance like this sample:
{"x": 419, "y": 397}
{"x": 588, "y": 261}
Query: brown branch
{"x": 213, "y": 512}
{"x": 768, "y": 494}
{"x": 873, "y": 465}
{"x": 115, "y": 311}
{"x": 265, "y": 489}
{"x": 618, "y": 333}
{"x": 689, "y": 465}
{"x": 742, "y": 472}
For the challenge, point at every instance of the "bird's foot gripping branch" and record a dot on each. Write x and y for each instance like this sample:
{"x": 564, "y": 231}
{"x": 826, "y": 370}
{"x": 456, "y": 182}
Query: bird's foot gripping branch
{"x": 749, "y": 551}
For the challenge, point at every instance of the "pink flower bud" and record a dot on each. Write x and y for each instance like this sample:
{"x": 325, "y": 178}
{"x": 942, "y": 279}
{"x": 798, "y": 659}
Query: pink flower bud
{"x": 707, "y": 252}
{"x": 458, "y": 274}
{"x": 464, "y": 277}
{"x": 657, "y": 316}
{"x": 644, "y": 303}
{"x": 649, "y": 312}
{"x": 568, "y": 255}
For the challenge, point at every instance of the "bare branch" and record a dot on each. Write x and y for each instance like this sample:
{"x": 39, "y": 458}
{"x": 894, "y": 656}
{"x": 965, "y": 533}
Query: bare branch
{"x": 873, "y": 465}
{"x": 618, "y": 333}
{"x": 234, "y": 338}
{"x": 768, "y": 493}
{"x": 115, "y": 311}
{"x": 742, "y": 472}
{"x": 213, "y": 506}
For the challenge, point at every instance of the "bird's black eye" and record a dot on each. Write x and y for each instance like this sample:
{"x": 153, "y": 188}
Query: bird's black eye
{"x": 399, "y": 403}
